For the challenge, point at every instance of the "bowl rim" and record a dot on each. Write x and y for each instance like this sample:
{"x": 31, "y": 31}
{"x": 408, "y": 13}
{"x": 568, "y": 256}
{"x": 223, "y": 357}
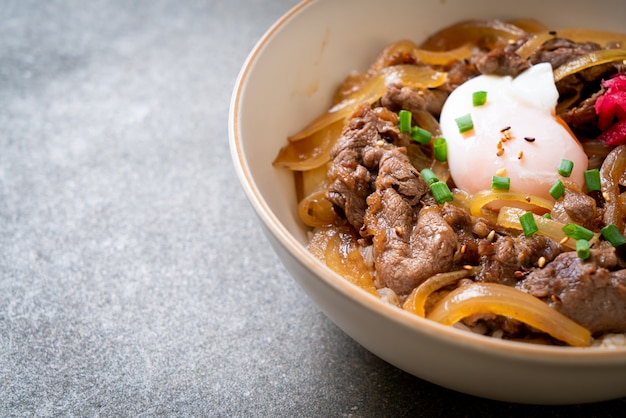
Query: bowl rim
{"x": 505, "y": 348}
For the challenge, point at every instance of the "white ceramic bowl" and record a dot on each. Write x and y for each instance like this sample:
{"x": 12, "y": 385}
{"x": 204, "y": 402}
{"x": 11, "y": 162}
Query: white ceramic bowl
{"x": 288, "y": 79}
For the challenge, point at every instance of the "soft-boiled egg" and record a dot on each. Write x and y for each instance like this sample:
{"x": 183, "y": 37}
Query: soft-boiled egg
{"x": 515, "y": 134}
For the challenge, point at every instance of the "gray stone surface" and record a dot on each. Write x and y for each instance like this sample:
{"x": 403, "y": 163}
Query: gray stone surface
{"x": 134, "y": 279}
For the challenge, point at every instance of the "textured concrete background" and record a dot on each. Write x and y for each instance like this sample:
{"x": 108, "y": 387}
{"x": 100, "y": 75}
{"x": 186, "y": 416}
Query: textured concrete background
{"x": 134, "y": 279}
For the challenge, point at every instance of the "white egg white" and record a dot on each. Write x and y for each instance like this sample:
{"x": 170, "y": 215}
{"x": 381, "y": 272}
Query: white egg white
{"x": 525, "y": 107}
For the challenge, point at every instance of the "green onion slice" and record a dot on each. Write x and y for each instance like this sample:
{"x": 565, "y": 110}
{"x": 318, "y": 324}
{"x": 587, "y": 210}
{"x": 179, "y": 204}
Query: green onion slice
{"x": 479, "y": 98}
{"x": 582, "y": 249}
{"x": 441, "y": 192}
{"x": 529, "y": 226}
{"x": 405, "y": 121}
{"x": 421, "y": 135}
{"x": 429, "y": 176}
{"x": 566, "y": 167}
{"x": 557, "y": 190}
{"x": 464, "y": 123}
{"x": 612, "y": 235}
{"x": 440, "y": 149}
{"x": 500, "y": 183}
{"x": 592, "y": 180}
{"x": 577, "y": 232}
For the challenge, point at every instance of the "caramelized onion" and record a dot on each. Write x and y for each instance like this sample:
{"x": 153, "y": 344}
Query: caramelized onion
{"x": 405, "y": 75}
{"x": 443, "y": 57}
{"x": 441, "y": 170}
{"x": 567, "y": 101}
{"x": 612, "y": 172}
{"x": 405, "y": 47}
{"x": 591, "y": 59}
{"x": 498, "y": 299}
{"x": 427, "y": 121}
{"x": 509, "y": 218}
{"x": 337, "y": 247}
{"x": 311, "y": 151}
{"x": 314, "y": 180}
{"x": 577, "y": 35}
{"x": 484, "y": 33}
{"x": 315, "y": 210}
{"x": 418, "y": 157}
{"x": 416, "y": 301}
{"x": 595, "y": 147}
{"x": 481, "y": 200}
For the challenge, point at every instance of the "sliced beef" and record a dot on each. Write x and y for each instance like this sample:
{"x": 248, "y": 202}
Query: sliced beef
{"x": 355, "y": 159}
{"x": 381, "y": 194}
{"x": 408, "y": 252}
{"x": 583, "y": 117}
{"x": 459, "y": 73}
{"x": 576, "y": 206}
{"x": 505, "y": 259}
{"x": 503, "y": 61}
{"x": 587, "y": 291}
{"x": 397, "y": 98}
{"x": 470, "y": 232}
{"x": 410, "y": 243}
{"x": 558, "y": 51}
{"x": 396, "y": 172}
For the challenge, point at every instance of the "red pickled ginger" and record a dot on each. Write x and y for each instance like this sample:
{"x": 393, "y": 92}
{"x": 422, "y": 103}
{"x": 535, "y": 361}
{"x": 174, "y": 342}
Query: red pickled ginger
{"x": 612, "y": 105}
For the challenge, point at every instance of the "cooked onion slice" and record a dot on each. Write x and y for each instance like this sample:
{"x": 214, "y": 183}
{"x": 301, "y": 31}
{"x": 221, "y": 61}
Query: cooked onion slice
{"x": 405, "y": 74}
{"x": 488, "y": 33}
{"x": 443, "y": 57}
{"x": 479, "y": 202}
{"x": 498, "y": 299}
{"x": 589, "y": 60}
{"x": 407, "y": 47}
{"x": 337, "y": 247}
{"x": 310, "y": 152}
{"x": 315, "y": 210}
{"x": 416, "y": 301}
{"x": 427, "y": 121}
{"x": 312, "y": 181}
{"x": 577, "y": 35}
{"x": 612, "y": 175}
{"x": 509, "y": 218}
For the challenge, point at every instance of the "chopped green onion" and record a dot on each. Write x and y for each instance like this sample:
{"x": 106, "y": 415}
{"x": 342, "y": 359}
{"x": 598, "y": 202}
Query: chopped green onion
{"x": 464, "y": 123}
{"x": 566, "y": 167}
{"x": 547, "y": 215}
{"x": 441, "y": 192}
{"x": 612, "y": 235}
{"x": 440, "y": 149}
{"x": 592, "y": 180}
{"x": 479, "y": 98}
{"x": 429, "y": 176}
{"x": 557, "y": 190}
{"x": 500, "y": 183}
{"x": 576, "y": 231}
{"x": 421, "y": 135}
{"x": 405, "y": 121}
{"x": 582, "y": 249}
{"x": 529, "y": 226}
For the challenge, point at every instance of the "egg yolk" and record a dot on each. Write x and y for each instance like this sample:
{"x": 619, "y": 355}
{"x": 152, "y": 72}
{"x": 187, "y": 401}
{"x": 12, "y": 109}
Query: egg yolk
{"x": 515, "y": 134}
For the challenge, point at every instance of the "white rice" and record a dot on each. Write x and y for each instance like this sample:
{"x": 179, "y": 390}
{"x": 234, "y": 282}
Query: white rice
{"x": 388, "y": 296}
{"x": 610, "y": 341}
